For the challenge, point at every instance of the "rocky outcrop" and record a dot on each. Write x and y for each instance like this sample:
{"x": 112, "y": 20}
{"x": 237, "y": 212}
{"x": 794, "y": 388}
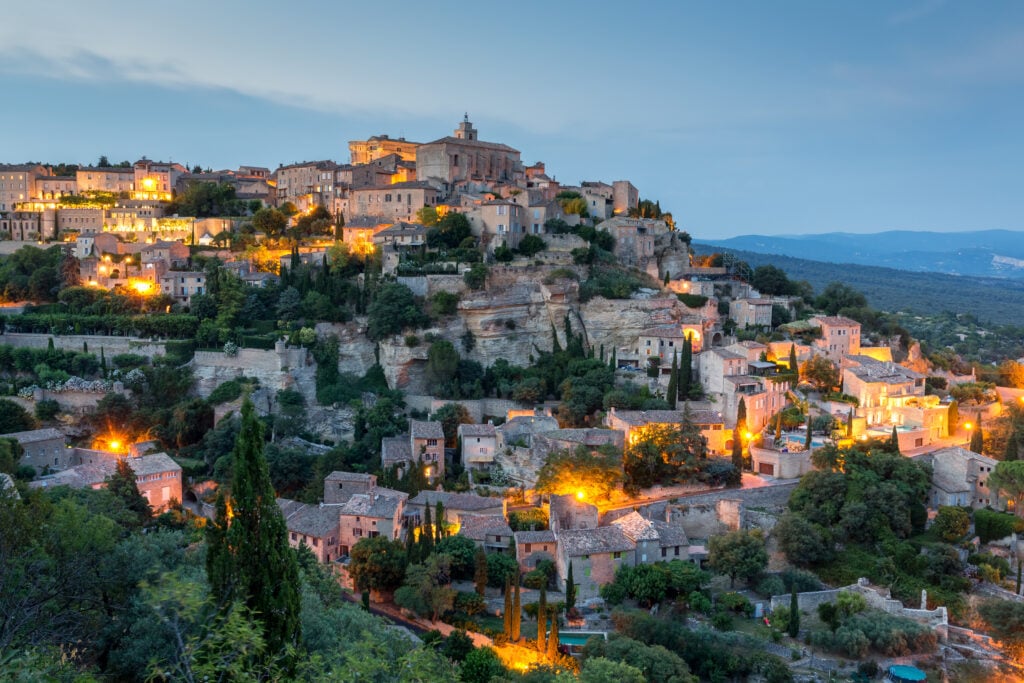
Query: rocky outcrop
{"x": 616, "y": 323}
{"x": 356, "y": 353}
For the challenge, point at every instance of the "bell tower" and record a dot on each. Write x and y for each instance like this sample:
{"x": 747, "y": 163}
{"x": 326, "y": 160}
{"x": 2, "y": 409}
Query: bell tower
{"x": 466, "y": 131}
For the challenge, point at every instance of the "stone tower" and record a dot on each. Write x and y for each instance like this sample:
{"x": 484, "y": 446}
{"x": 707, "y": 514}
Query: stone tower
{"x": 466, "y": 131}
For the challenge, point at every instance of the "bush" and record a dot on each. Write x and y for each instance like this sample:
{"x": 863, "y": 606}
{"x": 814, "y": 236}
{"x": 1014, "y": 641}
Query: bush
{"x": 47, "y": 409}
{"x": 476, "y": 276}
{"x": 992, "y": 526}
{"x": 951, "y": 523}
{"x": 129, "y": 360}
{"x": 692, "y": 300}
{"x": 722, "y": 621}
{"x": 226, "y": 392}
{"x": 412, "y": 340}
{"x": 771, "y": 585}
{"x": 735, "y": 602}
{"x": 443, "y": 303}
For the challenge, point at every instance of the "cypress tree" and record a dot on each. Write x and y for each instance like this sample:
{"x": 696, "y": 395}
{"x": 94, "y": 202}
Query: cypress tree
{"x": 507, "y": 612}
{"x": 553, "y": 638}
{"x": 570, "y": 590}
{"x": 685, "y": 369}
{"x": 252, "y": 561}
{"x": 894, "y": 440}
{"x": 439, "y": 522}
{"x": 794, "y": 614}
{"x": 977, "y": 437}
{"x": 952, "y": 417}
{"x": 602, "y": 353}
{"x": 480, "y": 571}
{"x": 673, "y": 384}
{"x": 793, "y": 368}
{"x": 1012, "y": 447}
{"x": 219, "y": 562}
{"x": 122, "y": 484}
{"x": 427, "y": 533}
{"x": 555, "y": 346}
{"x": 613, "y": 364}
{"x": 849, "y": 425}
{"x": 517, "y": 614}
{"x": 807, "y": 439}
{"x": 778, "y": 427}
{"x": 737, "y": 440}
{"x": 542, "y": 619}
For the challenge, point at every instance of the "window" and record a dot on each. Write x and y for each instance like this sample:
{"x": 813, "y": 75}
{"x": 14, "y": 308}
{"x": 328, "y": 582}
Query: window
{"x": 617, "y": 556}
{"x": 358, "y": 533}
{"x": 316, "y": 542}
{"x": 664, "y": 552}
{"x": 677, "y": 551}
{"x": 431, "y": 442}
{"x": 293, "y": 535}
{"x": 529, "y": 547}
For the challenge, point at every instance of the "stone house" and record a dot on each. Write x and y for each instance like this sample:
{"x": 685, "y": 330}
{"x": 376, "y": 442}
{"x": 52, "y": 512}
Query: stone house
{"x": 340, "y": 486}
{"x": 456, "y": 505}
{"x": 307, "y": 184}
{"x": 378, "y": 146}
{"x": 463, "y": 158}
{"x": 423, "y": 444}
{"x": 533, "y": 547}
{"x": 751, "y": 313}
{"x": 960, "y": 477}
{"x": 634, "y": 237}
{"x": 314, "y": 526}
{"x": 656, "y": 541}
{"x": 498, "y": 222}
{"x": 401, "y": 235}
{"x": 633, "y": 423}
{"x": 157, "y": 476}
{"x": 716, "y": 364}
{"x": 595, "y": 555}
{"x": 182, "y": 285}
{"x": 478, "y": 442}
{"x": 379, "y": 512}
{"x": 44, "y": 449}
{"x": 490, "y": 532}
{"x": 881, "y": 388}
{"x": 569, "y": 512}
{"x": 394, "y": 202}
{"x": 105, "y": 179}
{"x": 839, "y": 336}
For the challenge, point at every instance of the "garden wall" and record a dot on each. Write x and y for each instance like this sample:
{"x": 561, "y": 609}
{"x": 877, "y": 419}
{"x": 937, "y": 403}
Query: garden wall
{"x": 74, "y": 342}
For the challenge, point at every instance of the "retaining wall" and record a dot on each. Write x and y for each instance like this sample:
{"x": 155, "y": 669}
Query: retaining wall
{"x": 74, "y": 342}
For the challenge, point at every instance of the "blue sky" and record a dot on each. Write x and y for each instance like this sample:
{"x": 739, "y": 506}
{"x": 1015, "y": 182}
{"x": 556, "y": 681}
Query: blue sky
{"x": 740, "y": 117}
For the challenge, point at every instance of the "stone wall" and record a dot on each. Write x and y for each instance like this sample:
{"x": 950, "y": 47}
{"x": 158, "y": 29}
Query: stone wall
{"x": 427, "y": 285}
{"x": 74, "y": 342}
{"x": 478, "y": 408}
{"x": 272, "y": 368}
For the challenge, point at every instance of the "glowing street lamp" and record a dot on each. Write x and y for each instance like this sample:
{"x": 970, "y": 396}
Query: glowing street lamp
{"x": 579, "y": 495}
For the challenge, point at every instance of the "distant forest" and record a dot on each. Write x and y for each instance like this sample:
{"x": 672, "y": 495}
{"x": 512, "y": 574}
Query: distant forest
{"x": 990, "y": 300}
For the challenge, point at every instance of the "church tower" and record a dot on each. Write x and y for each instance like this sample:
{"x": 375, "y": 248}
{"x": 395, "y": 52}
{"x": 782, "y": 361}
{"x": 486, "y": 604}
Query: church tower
{"x": 466, "y": 131}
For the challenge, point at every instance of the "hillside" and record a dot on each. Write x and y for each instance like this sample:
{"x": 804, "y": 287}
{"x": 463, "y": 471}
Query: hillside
{"x": 984, "y": 253}
{"x": 993, "y": 300}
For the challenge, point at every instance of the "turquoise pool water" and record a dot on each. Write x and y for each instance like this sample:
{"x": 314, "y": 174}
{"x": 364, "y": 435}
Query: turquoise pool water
{"x": 796, "y": 441}
{"x": 578, "y": 638}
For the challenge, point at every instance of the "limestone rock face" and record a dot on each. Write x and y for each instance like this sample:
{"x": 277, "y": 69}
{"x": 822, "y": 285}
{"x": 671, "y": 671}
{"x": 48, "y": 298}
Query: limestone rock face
{"x": 355, "y": 350}
{"x": 404, "y": 365}
{"x": 616, "y": 323}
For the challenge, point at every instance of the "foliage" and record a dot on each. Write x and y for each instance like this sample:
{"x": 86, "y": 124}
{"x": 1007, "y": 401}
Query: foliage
{"x": 377, "y": 563}
{"x": 838, "y": 296}
{"x": 47, "y": 409}
{"x": 394, "y": 309}
{"x": 255, "y": 529}
{"x": 566, "y": 472}
{"x": 820, "y": 372}
{"x": 886, "y": 634}
{"x": 203, "y": 200}
{"x": 665, "y": 454}
{"x": 14, "y": 418}
{"x": 993, "y": 526}
{"x": 1008, "y": 479}
{"x": 500, "y": 569}
{"x": 476, "y": 276}
{"x": 738, "y": 554}
{"x": 951, "y": 523}
{"x": 614, "y": 282}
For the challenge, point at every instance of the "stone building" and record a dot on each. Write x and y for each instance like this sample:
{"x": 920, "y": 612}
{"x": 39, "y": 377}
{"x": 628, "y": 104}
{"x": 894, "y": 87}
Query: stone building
{"x": 395, "y": 202}
{"x": 839, "y": 336}
{"x": 44, "y": 449}
{"x": 377, "y": 146}
{"x": 314, "y": 526}
{"x": 595, "y": 555}
{"x": 463, "y": 157}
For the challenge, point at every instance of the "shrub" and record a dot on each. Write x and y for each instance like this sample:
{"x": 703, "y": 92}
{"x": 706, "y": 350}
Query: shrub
{"x": 226, "y": 392}
{"x": 735, "y": 602}
{"x": 614, "y": 593}
{"x": 951, "y": 523}
{"x": 992, "y": 526}
{"x": 443, "y": 303}
{"x": 722, "y": 621}
{"x": 129, "y": 360}
{"x": 771, "y": 585}
{"x": 47, "y": 409}
{"x": 692, "y": 300}
{"x": 412, "y": 340}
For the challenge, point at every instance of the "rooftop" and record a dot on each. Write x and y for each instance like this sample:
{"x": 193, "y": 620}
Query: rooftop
{"x": 835, "y": 321}
{"x": 605, "y": 539}
{"x": 478, "y": 527}
{"x": 394, "y": 449}
{"x": 426, "y": 430}
{"x": 350, "y": 476}
{"x": 35, "y": 435}
{"x": 546, "y": 536}
{"x": 481, "y": 430}
{"x": 382, "y": 503}
{"x": 457, "y": 501}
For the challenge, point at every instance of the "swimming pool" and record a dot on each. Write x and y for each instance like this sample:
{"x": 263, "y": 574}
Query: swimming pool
{"x": 795, "y": 442}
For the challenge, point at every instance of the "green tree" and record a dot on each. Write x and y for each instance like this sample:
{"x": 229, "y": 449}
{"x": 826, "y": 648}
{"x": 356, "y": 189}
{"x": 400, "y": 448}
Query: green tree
{"x": 836, "y": 296}
{"x": 953, "y": 417}
{"x": 570, "y": 591}
{"x": 601, "y": 670}
{"x": 442, "y": 363}
{"x": 476, "y": 276}
{"x": 794, "y": 366}
{"x": 271, "y": 222}
{"x": 427, "y": 216}
{"x": 394, "y": 309}
{"x": 255, "y": 529}
{"x": 530, "y": 245}
{"x": 377, "y": 564}
{"x": 671, "y": 394}
{"x": 480, "y": 571}
{"x": 977, "y": 437}
{"x": 517, "y": 613}
{"x": 894, "y": 441}
{"x": 14, "y": 418}
{"x": 122, "y": 483}
{"x": 1008, "y": 480}
{"x": 481, "y": 665}
{"x": 685, "y": 370}
{"x": 793, "y": 627}
{"x": 821, "y": 373}
{"x": 567, "y": 472}
{"x": 738, "y": 554}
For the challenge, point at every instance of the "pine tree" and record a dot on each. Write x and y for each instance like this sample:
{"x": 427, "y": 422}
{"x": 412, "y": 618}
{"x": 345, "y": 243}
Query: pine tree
{"x": 426, "y": 533}
{"x": 570, "y": 590}
{"x": 553, "y": 638}
{"x": 673, "y": 384}
{"x": 122, "y": 483}
{"x": 517, "y": 614}
{"x": 480, "y": 571}
{"x": 794, "y": 614}
{"x": 894, "y": 440}
{"x": 261, "y": 570}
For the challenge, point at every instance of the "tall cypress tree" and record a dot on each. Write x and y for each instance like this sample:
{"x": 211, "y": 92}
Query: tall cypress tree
{"x": 480, "y": 571}
{"x": 1012, "y": 447}
{"x": 737, "y": 439}
{"x": 977, "y": 437}
{"x": 507, "y": 612}
{"x": 439, "y": 522}
{"x": 542, "y": 619}
{"x": 807, "y": 438}
{"x": 252, "y": 561}
{"x": 794, "y": 615}
{"x": 426, "y": 533}
{"x": 613, "y": 363}
{"x": 685, "y": 370}
{"x": 673, "y": 384}
{"x": 570, "y": 590}
{"x": 849, "y": 425}
{"x": 553, "y": 638}
{"x": 894, "y": 440}
{"x": 793, "y": 368}
{"x": 778, "y": 428}
{"x": 517, "y": 614}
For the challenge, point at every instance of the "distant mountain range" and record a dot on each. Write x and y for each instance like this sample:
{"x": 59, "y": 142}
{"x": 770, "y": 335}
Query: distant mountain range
{"x": 985, "y": 253}
{"x": 991, "y": 300}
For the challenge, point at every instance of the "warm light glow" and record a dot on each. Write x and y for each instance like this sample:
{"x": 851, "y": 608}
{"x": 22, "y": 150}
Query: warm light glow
{"x": 111, "y": 442}
{"x": 142, "y": 286}
{"x": 969, "y": 426}
{"x": 579, "y": 495}
{"x": 748, "y": 436}
{"x": 148, "y": 183}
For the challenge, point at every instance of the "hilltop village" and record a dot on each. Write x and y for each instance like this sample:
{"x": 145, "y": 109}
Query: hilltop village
{"x": 519, "y": 418}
